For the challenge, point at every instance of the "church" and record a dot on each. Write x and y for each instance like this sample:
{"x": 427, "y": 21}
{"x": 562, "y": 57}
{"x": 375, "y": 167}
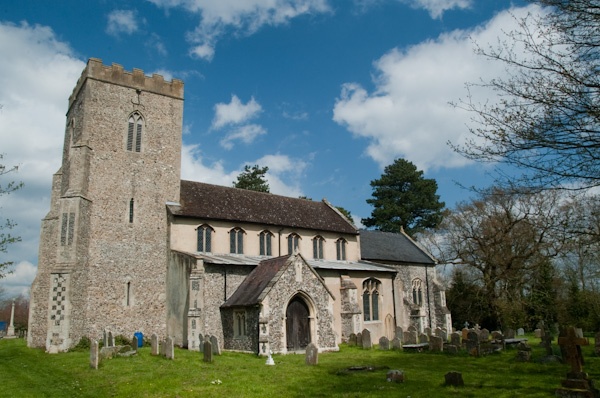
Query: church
{"x": 128, "y": 246}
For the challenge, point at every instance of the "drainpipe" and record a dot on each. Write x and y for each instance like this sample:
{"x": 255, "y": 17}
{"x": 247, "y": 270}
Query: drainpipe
{"x": 394, "y": 302}
{"x": 428, "y": 301}
{"x": 225, "y": 284}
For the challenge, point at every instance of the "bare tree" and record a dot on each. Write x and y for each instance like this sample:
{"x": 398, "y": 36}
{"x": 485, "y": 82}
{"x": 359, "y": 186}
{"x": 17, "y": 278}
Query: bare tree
{"x": 6, "y": 238}
{"x": 547, "y": 120}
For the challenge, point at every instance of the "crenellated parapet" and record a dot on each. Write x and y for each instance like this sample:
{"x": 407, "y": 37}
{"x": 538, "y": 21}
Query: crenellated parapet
{"x": 115, "y": 74}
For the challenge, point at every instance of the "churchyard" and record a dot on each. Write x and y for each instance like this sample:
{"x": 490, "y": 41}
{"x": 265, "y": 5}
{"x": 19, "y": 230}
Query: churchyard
{"x": 354, "y": 371}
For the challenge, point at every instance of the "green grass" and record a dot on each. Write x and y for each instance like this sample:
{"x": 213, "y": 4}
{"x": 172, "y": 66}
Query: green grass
{"x": 28, "y": 372}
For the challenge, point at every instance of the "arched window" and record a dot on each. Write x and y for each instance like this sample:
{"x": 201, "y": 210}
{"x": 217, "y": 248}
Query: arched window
{"x": 131, "y": 208}
{"x": 265, "y": 243}
{"x": 371, "y": 288}
{"x": 293, "y": 242}
{"x": 134, "y": 132}
{"x": 417, "y": 292}
{"x": 340, "y": 248}
{"x": 239, "y": 323}
{"x": 236, "y": 241}
{"x": 318, "y": 247}
{"x": 205, "y": 238}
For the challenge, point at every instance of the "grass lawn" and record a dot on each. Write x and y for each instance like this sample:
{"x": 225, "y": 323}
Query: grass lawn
{"x": 28, "y": 372}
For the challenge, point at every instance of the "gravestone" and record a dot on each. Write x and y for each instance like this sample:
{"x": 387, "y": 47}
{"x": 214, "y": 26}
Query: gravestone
{"x": 577, "y": 384}
{"x": 169, "y": 349}
{"x": 208, "y": 357}
{"x": 455, "y": 339}
{"x": 438, "y": 331}
{"x": 94, "y": 354}
{"x": 384, "y": 343}
{"x": 105, "y": 338}
{"x": 312, "y": 354}
{"x": 547, "y": 343}
{"x": 538, "y": 333}
{"x": 412, "y": 328}
{"x": 215, "y": 345}
{"x": 523, "y": 352}
{"x": 509, "y": 334}
{"x": 410, "y": 337}
{"x": 520, "y": 332}
{"x": 451, "y": 349}
{"x": 359, "y": 339}
{"x": 465, "y": 334}
{"x": 454, "y": 379}
{"x": 201, "y": 342}
{"x": 399, "y": 333}
{"x": 154, "y": 345}
{"x": 436, "y": 344}
{"x": 134, "y": 343}
{"x": 111, "y": 340}
{"x": 163, "y": 348}
{"x": 395, "y": 376}
{"x": 427, "y": 331}
{"x": 352, "y": 340}
{"x": 472, "y": 344}
{"x": 484, "y": 335}
{"x": 396, "y": 344}
{"x": 366, "y": 339}
{"x": 423, "y": 338}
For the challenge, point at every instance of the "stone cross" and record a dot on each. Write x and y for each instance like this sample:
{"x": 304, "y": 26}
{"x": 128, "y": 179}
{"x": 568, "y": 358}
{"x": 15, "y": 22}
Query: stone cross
{"x": 571, "y": 345}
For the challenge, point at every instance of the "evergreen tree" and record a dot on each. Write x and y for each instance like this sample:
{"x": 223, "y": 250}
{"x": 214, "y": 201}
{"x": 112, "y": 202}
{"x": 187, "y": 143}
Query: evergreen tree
{"x": 253, "y": 179}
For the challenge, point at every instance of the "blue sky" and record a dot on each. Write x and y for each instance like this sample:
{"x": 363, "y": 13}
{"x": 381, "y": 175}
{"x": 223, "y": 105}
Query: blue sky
{"x": 324, "y": 92}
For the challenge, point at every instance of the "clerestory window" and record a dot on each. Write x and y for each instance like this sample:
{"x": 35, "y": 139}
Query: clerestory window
{"x": 318, "y": 247}
{"x": 293, "y": 242}
{"x": 340, "y": 248}
{"x": 265, "y": 243}
{"x": 236, "y": 241}
{"x": 204, "y": 241}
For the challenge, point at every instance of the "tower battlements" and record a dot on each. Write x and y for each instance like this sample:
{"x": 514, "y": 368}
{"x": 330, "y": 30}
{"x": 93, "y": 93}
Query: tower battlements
{"x": 115, "y": 74}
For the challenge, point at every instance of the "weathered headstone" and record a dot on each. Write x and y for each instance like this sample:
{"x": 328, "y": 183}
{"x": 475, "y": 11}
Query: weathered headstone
{"x": 436, "y": 344}
{"x": 359, "y": 339}
{"x": 509, "y": 334}
{"x": 208, "y": 357}
{"x": 412, "y": 328}
{"x": 538, "y": 333}
{"x": 427, "y": 331}
{"x": 104, "y": 338}
{"x": 410, "y": 337}
{"x": 396, "y": 344}
{"x": 169, "y": 349}
{"x": 473, "y": 344}
{"x": 352, "y": 340}
{"x": 201, "y": 342}
{"x": 423, "y": 338}
{"x": 520, "y": 332}
{"x": 524, "y": 352}
{"x": 366, "y": 339}
{"x": 455, "y": 339}
{"x": 384, "y": 343}
{"x": 94, "y": 359}
{"x": 111, "y": 340}
{"x": 215, "y": 345}
{"x": 399, "y": 333}
{"x": 547, "y": 343}
{"x": 163, "y": 348}
{"x": 312, "y": 354}
{"x": 454, "y": 379}
{"x": 451, "y": 349}
{"x": 154, "y": 345}
{"x": 577, "y": 383}
{"x": 395, "y": 376}
{"x": 134, "y": 343}
{"x": 484, "y": 335}
{"x": 465, "y": 334}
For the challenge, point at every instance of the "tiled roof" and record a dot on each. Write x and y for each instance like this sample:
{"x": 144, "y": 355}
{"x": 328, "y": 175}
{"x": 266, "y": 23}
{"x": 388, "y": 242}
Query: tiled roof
{"x": 250, "y": 290}
{"x": 214, "y": 202}
{"x": 391, "y": 247}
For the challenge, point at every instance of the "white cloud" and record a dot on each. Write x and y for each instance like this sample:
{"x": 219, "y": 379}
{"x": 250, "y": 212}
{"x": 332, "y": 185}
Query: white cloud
{"x": 408, "y": 113}
{"x": 122, "y": 21}
{"x": 246, "y": 133}
{"x": 19, "y": 281}
{"x": 37, "y": 75}
{"x": 283, "y": 168}
{"x": 436, "y": 8}
{"x": 217, "y": 18}
{"x": 235, "y": 112}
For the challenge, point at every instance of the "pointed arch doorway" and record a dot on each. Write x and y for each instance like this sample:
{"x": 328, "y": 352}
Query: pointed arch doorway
{"x": 297, "y": 324}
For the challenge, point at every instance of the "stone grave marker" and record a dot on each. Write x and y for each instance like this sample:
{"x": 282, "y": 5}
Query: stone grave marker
{"x": 384, "y": 343}
{"x": 154, "y": 345}
{"x": 399, "y": 333}
{"x": 395, "y": 376}
{"x": 359, "y": 339}
{"x": 473, "y": 344}
{"x": 436, "y": 344}
{"x": 366, "y": 339}
{"x": 547, "y": 343}
{"x": 169, "y": 349}
{"x": 427, "y": 331}
{"x": 352, "y": 340}
{"x": 524, "y": 352}
{"x": 396, "y": 344}
{"x": 201, "y": 342}
{"x": 455, "y": 339}
{"x": 312, "y": 354}
{"x": 163, "y": 348}
{"x": 465, "y": 334}
{"x": 105, "y": 338}
{"x": 577, "y": 383}
{"x": 520, "y": 332}
{"x": 538, "y": 333}
{"x": 423, "y": 338}
{"x": 484, "y": 335}
{"x": 509, "y": 334}
{"x": 451, "y": 348}
{"x": 208, "y": 356}
{"x": 111, "y": 339}
{"x": 412, "y": 328}
{"x": 94, "y": 359}
{"x": 410, "y": 337}
{"x": 215, "y": 345}
{"x": 134, "y": 343}
{"x": 454, "y": 379}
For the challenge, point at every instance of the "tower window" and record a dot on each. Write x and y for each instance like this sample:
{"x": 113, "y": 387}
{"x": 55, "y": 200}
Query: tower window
{"x": 134, "y": 133}
{"x": 205, "y": 238}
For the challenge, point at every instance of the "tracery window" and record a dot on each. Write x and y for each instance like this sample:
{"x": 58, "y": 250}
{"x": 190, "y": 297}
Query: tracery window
{"x": 340, "y": 248}
{"x": 417, "y": 292}
{"x": 239, "y": 323}
{"x": 134, "y": 132}
{"x": 293, "y": 242}
{"x": 236, "y": 241}
{"x": 318, "y": 247}
{"x": 265, "y": 243}
{"x": 204, "y": 241}
{"x": 371, "y": 288}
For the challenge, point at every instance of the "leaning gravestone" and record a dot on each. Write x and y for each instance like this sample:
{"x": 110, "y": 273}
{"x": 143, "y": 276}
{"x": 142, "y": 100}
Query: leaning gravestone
{"x": 352, "y": 340}
{"x": 436, "y": 344}
{"x": 396, "y": 344}
{"x": 94, "y": 354}
{"x": 215, "y": 345}
{"x": 154, "y": 345}
{"x": 384, "y": 343}
{"x": 208, "y": 357}
{"x": 366, "y": 339}
{"x": 312, "y": 354}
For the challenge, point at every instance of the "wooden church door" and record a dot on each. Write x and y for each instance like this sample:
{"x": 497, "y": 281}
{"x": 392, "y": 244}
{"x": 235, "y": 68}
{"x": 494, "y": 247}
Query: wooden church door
{"x": 297, "y": 325}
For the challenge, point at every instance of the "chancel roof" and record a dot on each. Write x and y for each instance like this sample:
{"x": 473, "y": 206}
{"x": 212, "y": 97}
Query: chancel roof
{"x": 207, "y": 201}
{"x": 392, "y": 247}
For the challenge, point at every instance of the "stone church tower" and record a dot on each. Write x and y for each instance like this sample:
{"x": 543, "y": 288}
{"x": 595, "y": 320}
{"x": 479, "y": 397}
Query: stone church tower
{"x": 104, "y": 243}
